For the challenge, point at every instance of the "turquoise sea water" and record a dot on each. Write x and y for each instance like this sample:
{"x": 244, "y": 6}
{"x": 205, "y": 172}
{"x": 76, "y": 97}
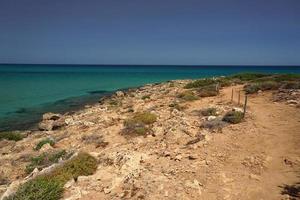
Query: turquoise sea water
{"x": 27, "y": 91}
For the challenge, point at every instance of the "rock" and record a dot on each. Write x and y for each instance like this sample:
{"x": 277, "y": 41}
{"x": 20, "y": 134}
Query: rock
{"x": 255, "y": 177}
{"x": 120, "y": 94}
{"x": 178, "y": 158}
{"x": 238, "y": 109}
{"x": 51, "y": 116}
{"x": 292, "y": 102}
{"x": 46, "y": 148}
{"x": 210, "y": 118}
{"x": 51, "y": 122}
{"x": 13, "y": 187}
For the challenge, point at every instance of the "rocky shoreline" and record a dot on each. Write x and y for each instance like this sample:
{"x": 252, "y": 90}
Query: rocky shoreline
{"x": 156, "y": 141}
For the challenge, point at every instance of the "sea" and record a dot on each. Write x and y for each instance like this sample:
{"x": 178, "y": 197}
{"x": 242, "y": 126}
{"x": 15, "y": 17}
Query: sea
{"x": 28, "y": 91}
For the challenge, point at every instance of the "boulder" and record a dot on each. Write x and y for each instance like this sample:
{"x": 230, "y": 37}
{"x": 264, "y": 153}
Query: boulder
{"x": 120, "y": 94}
{"x": 51, "y": 121}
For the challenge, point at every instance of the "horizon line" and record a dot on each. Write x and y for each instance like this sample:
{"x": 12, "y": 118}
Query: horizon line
{"x": 192, "y": 65}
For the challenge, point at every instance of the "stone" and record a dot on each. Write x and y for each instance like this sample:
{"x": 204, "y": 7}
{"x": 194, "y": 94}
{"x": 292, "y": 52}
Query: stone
{"x": 120, "y": 94}
{"x": 293, "y": 102}
{"x": 210, "y": 118}
{"x": 255, "y": 177}
{"x": 51, "y": 116}
{"x": 46, "y": 148}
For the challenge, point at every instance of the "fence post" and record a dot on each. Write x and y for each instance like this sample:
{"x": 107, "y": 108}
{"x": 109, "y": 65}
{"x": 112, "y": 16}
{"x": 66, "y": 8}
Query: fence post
{"x": 232, "y": 95}
{"x": 245, "y": 105}
{"x": 239, "y": 98}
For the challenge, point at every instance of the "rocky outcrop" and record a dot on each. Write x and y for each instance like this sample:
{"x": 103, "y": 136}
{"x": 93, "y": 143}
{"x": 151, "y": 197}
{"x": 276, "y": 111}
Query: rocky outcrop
{"x": 51, "y": 121}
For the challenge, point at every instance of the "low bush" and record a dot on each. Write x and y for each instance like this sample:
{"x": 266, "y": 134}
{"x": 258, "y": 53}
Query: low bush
{"x": 216, "y": 124}
{"x": 255, "y": 87}
{"x": 176, "y": 106}
{"x": 200, "y": 83}
{"x": 15, "y": 136}
{"x": 50, "y": 186}
{"x": 208, "y": 91}
{"x": 187, "y": 96}
{"x": 139, "y": 123}
{"x": 233, "y": 117}
{"x": 43, "y": 142}
{"x": 95, "y": 139}
{"x": 209, "y": 112}
{"x": 146, "y": 97}
{"x": 248, "y": 76}
{"x": 45, "y": 160}
{"x": 290, "y": 85}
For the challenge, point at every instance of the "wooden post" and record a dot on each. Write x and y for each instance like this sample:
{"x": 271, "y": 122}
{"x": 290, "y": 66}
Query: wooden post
{"x": 245, "y": 105}
{"x": 232, "y": 95}
{"x": 239, "y": 98}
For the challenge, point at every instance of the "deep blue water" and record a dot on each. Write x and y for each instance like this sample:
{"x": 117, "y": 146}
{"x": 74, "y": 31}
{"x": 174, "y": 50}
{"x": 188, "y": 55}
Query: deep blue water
{"x": 27, "y": 91}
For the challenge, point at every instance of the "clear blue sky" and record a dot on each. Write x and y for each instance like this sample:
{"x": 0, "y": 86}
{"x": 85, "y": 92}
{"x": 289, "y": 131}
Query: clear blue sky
{"x": 200, "y": 32}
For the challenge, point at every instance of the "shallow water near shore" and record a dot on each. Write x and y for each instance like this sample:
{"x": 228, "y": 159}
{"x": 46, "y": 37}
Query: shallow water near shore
{"x": 28, "y": 91}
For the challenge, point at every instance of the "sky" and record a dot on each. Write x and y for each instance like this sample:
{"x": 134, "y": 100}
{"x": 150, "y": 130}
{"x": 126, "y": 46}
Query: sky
{"x": 172, "y": 32}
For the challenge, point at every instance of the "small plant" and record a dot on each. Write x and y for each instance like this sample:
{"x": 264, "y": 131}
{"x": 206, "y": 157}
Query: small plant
{"x": 209, "y": 112}
{"x": 208, "y": 91}
{"x": 95, "y": 139}
{"x": 139, "y": 123}
{"x": 188, "y": 96}
{"x": 50, "y": 186}
{"x": 176, "y": 106}
{"x": 43, "y": 142}
{"x": 216, "y": 124}
{"x": 251, "y": 88}
{"x": 146, "y": 97}
{"x": 45, "y": 160}
{"x": 233, "y": 117}
{"x": 15, "y": 136}
{"x": 114, "y": 102}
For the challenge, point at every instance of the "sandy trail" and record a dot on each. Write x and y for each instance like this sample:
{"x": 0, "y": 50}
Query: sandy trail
{"x": 262, "y": 152}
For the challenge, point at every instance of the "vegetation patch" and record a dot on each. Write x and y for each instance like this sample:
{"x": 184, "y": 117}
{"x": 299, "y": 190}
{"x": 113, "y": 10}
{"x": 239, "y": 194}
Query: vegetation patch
{"x": 95, "y": 139}
{"x": 50, "y": 186}
{"x": 15, "y": 136}
{"x": 233, "y": 117}
{"x": 177, "y": 106}
{"x": 45, "y": 160}
{"x": 216, "y": 124}
{"x": 188, "y": 96}
{"x": 140, "y": 123}
{"x": 146, "y": 97}
{"x": 208, "y": 91}
{"x": 209, "y": 112}
{"x": 263, "y": 86}
{"x": 43, "y": 142}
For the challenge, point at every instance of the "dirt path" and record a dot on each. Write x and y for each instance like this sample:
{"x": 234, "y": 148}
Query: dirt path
{"x": 260, "y": 155}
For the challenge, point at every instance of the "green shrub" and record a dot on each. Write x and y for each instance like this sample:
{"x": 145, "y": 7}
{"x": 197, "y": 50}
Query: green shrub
{"x": 251, "y": 88}
{"x": 209, "y": 112}
{"x": 208, "y": 91}
{"x": 266, "y": 85}
{"x": 188, "y": 96}
{"x": 139, "y": 123}
{"x": 39, "y": 188}
{"x": 146, "y": 97}
{"x": 176, "y": 106}
{"x": 290, "y": 85}
{"x": 216, "y": 124}
{"x": 11, "y": 136}
{"x": 248, "y": 76}
{"x": 81, "y": 165}
{"x": 50, "y": 186}
{"x": 95, "y": 139}
{"x": 45, "y": 160}
{"x": 233, "y": 117}
{"x": 43, "y": 142}
{"x": 200, "y": 83}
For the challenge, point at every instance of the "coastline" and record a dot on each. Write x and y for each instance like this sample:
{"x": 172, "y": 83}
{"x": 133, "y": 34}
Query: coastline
{"x": 159, "y": 134}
